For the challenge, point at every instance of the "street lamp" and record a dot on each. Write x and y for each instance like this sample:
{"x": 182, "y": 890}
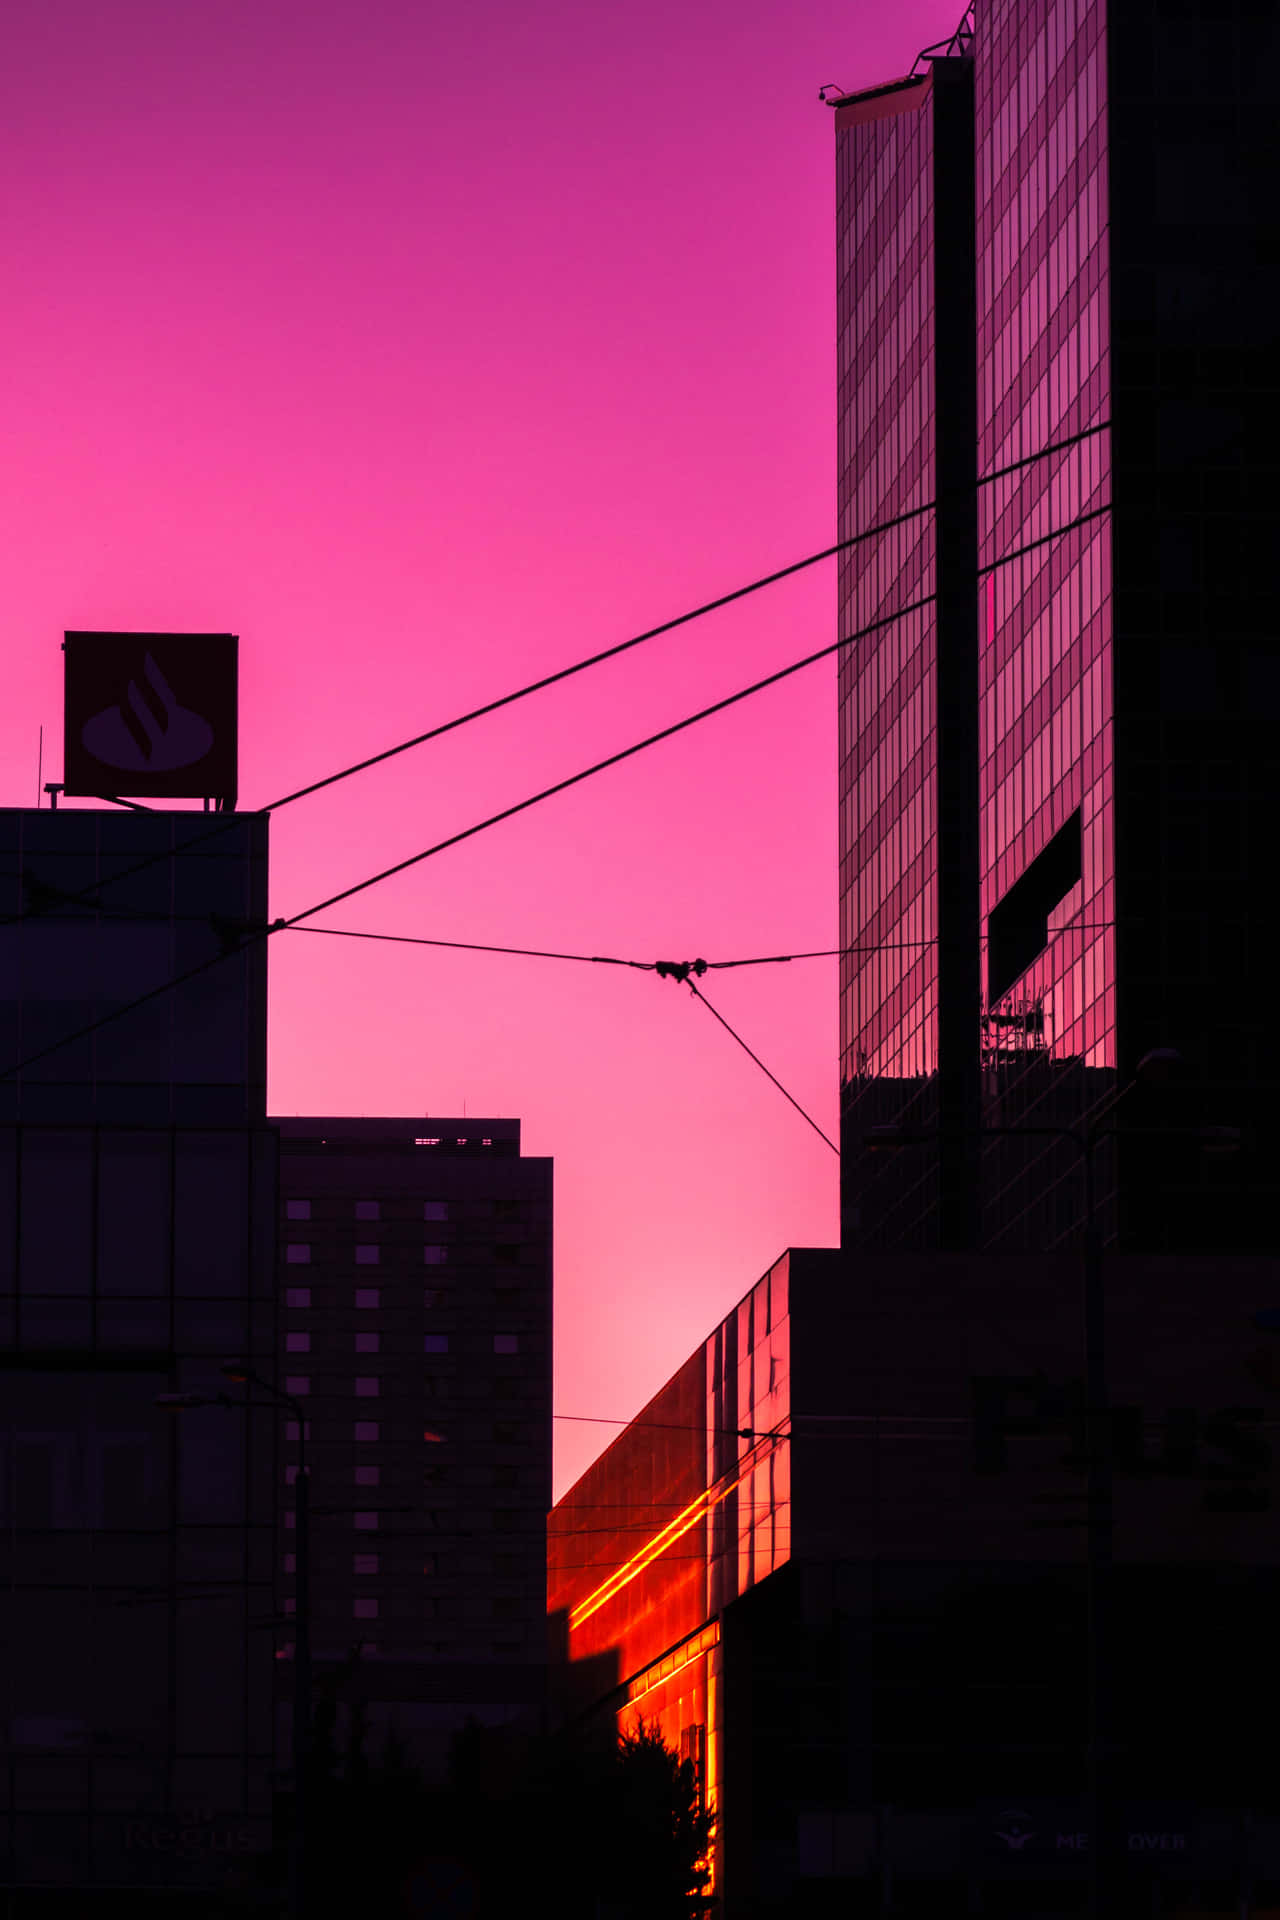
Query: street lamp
{"x": 176, "y": 1402}
{"x": 1156, "y": 1068}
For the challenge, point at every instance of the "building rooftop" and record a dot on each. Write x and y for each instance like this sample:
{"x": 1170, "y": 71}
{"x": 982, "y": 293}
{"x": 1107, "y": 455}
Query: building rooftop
{"x": 437, "y": 1133}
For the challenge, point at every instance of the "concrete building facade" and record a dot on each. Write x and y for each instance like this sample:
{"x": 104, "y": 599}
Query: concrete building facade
{"x": 842, "y": 1556}
{"x": 137, "y": 1252}
{"x": 414, "y": 1323}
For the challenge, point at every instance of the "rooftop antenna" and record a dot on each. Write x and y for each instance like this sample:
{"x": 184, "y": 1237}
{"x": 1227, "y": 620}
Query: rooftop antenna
{"x": 39, "y": 765}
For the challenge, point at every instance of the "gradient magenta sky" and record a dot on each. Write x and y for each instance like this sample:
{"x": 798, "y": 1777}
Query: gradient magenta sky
{"x": 429, "y": 349}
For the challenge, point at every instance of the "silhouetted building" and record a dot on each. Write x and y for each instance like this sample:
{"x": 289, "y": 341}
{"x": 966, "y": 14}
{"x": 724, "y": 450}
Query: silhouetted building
{"x": 840, "y": 1559}
{"x": 415, "y": 1321}
{"x": 137, "y": 1251}
{"x": 1057, "y": 776}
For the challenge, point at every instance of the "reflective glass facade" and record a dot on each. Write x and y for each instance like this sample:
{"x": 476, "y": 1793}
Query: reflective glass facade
{"x": 866, "y": 1616}
{"x": 1125, "y": 248}
{"x": 1046, "y": 743}
{"x": 888, "y": 740}
{"x": 688, "y": 1511}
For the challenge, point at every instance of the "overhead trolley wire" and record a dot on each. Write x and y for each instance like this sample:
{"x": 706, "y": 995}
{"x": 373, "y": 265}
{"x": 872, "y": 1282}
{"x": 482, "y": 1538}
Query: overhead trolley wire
{"x": 226, "y": 823}
{"x": 455, "y": 839}
{"x": 506, "y": 813}
{"x": 475, "y": 946}
{"x": 653, "y": 966}
{"x": 733, "y": 1035}
{"x": 504, "y": 700}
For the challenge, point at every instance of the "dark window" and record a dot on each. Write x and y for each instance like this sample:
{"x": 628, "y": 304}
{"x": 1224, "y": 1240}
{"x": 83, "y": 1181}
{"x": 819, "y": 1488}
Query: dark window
{"x": 1018, "y": 928}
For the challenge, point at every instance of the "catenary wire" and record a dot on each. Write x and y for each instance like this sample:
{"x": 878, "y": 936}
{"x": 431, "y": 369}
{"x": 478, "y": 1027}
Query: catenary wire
{"x": 453, "y": 840}
{"x": 506, "y": 813}
{"x": 509, "y": 699}
{"x": 474, "y": 946}
{"x": 790, "y": 1097}
{"x": 651, "y": 966}
{"x": 225, "y": 825}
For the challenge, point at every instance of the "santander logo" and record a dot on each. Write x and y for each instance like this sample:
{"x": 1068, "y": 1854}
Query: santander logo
{"x": 149, "y": 732}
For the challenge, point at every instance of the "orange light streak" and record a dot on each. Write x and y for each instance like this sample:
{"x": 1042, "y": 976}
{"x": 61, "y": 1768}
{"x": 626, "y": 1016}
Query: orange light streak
{"x": 674, "y": 1530}
{"x": 652, "y": 1550}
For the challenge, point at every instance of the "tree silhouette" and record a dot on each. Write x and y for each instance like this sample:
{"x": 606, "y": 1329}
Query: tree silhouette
{"x": 610, "y": 1831}
{"x": 663, "y": 1832}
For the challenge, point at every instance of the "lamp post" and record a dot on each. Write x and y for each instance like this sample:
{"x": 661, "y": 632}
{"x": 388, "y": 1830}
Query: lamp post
{"x": 1155, "y": 1067}
{"x": 302, "y": 1610}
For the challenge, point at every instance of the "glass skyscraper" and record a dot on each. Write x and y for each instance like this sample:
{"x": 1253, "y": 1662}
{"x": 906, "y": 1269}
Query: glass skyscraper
{"x": 1057, "y": 776}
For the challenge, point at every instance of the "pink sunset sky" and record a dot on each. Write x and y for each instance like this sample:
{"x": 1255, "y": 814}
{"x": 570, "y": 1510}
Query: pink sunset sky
{"x": 430, "y": 349}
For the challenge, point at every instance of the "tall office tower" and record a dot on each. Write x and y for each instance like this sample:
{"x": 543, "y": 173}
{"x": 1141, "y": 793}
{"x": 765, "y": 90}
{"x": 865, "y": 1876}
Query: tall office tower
{"x": 415, "y": 1322}
{"x": 1126, "y": 261}
{"x": 908, "y": 762}
{"x": 137, "y": 1251}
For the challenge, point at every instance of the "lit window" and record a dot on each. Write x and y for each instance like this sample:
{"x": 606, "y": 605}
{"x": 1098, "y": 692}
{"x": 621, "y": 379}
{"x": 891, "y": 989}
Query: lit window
{"x": 297, "y": 1343}
{"x": 298, "y": 1254}
{"x": 506, "y": 1343}
{"x": 366, "y": 1256}
{"x": 435, "y": 1343}
{"x": 435, "y": 1209}
{"x": 290, "y": 1475}
{"x": 298, "y": 1209}
{"x": 364, "y": 1563}
{"x": 290, "y": 1520}
{"x": 367, "y": 1476}
{"x": 297, "y": 1296}
{"x": 367, "y": 1430}
{"x": 367, "y": 1210}
{"x": 291, "y": 1429}
{"x": 431, "y": 1141}
{"x": 298, "y": 1383}
{"x": 366, "y": 1522}
{"x": 291, "y": 1606}
{"x": 291, "y": 1563}
{"x": 368, "y": 1386}
{"x": 368, "y": 1296}
{"x": 433, "y": 1256}
{"x": 367, "y": 1343}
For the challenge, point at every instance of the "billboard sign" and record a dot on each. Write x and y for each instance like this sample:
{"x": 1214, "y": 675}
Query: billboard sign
{"x": 151, "y": 715}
